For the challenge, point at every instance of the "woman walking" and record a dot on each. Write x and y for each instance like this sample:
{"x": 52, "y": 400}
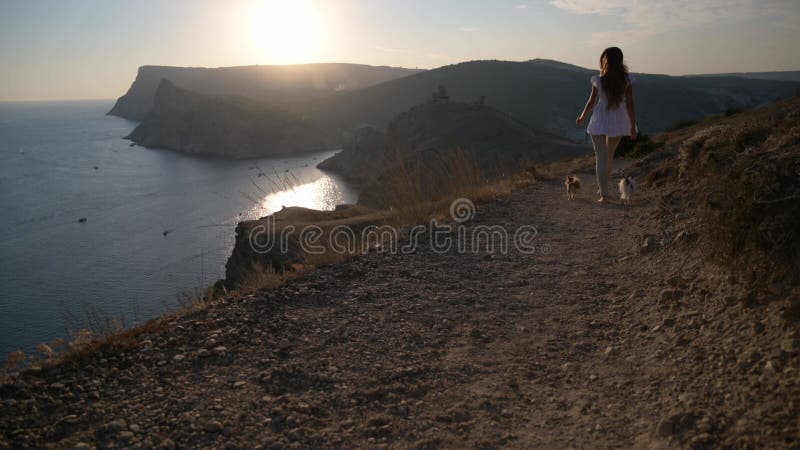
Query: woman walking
{"x": 613, "y": 113}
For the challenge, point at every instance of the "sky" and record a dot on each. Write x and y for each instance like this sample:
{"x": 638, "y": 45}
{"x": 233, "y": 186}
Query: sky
{"x": 91, "y": 49}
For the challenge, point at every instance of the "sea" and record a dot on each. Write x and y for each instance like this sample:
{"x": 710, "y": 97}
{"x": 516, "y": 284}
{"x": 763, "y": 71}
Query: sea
{"x": 97, "y": 234}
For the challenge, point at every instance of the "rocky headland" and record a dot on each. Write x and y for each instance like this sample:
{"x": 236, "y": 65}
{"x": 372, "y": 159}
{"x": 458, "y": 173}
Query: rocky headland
{"x": 274, "y": 84}
{"x": 224, "y": 126}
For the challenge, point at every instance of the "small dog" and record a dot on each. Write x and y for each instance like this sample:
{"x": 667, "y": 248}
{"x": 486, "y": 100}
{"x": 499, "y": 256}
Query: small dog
{"x": 573, "y": 183}
{"x": 626, "y": 188}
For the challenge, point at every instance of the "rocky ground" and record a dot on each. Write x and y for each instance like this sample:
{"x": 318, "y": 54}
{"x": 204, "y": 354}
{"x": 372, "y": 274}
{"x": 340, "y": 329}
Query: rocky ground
{"x": 613, "y": 333}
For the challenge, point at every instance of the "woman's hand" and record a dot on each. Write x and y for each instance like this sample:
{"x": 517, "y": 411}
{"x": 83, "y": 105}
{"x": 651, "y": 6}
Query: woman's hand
{"x": 580, "y": 120}
{"x": 634, "y": 132}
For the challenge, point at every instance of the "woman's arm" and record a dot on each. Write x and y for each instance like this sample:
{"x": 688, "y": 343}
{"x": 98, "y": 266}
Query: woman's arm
{"x": 631, "y": 110}
{"x": 589, "y": 106}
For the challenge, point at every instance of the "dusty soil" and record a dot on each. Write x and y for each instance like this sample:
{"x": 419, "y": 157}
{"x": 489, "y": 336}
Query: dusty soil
{"x": 613, "y": 334}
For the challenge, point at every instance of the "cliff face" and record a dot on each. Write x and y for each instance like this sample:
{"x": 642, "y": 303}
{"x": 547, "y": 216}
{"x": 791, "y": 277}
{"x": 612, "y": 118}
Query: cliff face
{"x": 432, "y": 141}
{"x": 237, "y": 128}
{"x": 275, "y": 84}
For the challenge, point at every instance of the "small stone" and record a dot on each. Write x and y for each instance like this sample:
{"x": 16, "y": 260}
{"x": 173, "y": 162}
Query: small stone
{"x": 401, "y": 411}
{"x": 135, "y": 428}
{"x": 178, "y": 358}
{"x": 790, "y": 345}
{"x": 126, "y": 435}
{"x": 239, "y": 384}
{"x": 648, "y": 245}
{"x": 166, "y": 444}
{"x": 221, "y": 350}
{"x": 117, "y": 425}
{"x": 506, "y": 413}
{"x": 213, "y": 426}
{"x": 610, "y": 351}
{"x": 664, "y": 428}
{"x": 668, "y": 295}
{"x": 593, "y": 377}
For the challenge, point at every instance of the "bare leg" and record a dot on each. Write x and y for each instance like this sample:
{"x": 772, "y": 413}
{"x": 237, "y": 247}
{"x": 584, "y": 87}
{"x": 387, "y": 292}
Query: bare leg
{"x": 612, "y": 143}
{"x": 601, "y": 157}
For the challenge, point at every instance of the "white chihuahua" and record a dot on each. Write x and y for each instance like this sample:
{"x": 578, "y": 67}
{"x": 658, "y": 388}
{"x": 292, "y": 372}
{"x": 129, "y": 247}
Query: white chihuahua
{"x": 626, "y": 188}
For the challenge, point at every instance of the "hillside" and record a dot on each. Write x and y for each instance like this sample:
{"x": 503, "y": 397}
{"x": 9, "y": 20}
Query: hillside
{"x": 544, "y": 95}
{"x": 421, "y": 143}
{"x": 619, "y": 329}
{"x": 232, "y": 127}
{"x": 274, "y": 84}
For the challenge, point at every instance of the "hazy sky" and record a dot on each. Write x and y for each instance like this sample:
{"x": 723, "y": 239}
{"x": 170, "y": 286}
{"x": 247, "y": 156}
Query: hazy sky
{"x": 69, "y": 49}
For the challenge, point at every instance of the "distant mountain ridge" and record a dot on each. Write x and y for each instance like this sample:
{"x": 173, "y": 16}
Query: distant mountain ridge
{"x": 544, "y": 95}
{"x": 274, "y": 83}
{"x": 788, "y": 75}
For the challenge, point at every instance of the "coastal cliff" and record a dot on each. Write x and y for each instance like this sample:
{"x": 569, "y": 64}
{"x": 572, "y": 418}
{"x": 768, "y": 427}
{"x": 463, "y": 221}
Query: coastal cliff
{"x": 232, "y": 127}
{"x": 274, "y": 84}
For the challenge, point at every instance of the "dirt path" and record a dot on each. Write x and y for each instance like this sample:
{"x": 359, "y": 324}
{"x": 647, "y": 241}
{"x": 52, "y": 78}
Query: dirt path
{"x": 426, "y": 350}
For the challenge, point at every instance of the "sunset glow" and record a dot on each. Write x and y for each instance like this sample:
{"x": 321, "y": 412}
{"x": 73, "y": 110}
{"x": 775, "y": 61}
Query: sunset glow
{"x": 284, "y": 31}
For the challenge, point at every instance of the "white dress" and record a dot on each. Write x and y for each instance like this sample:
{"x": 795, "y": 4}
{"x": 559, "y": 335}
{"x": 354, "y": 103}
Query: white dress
{"x": 610, "y": 122}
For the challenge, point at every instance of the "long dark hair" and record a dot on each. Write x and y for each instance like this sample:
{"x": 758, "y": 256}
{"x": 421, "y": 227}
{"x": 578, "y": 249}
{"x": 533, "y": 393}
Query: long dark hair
{"x": 613, "y": 75}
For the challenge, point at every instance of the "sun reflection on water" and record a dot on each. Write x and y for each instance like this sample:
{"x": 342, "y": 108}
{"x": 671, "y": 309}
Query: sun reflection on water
{"x": 321, "y": 194}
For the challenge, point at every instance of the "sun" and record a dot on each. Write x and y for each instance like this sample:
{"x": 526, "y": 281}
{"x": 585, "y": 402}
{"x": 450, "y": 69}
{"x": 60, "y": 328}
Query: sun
{"x": 285, "y": 31}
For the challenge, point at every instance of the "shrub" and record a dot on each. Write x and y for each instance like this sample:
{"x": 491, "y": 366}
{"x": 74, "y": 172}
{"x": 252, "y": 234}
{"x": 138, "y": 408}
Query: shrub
{"x": 753, "y": 208}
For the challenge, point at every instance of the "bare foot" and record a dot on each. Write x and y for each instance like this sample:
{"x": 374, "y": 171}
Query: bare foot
{"x": 602, "y": 200}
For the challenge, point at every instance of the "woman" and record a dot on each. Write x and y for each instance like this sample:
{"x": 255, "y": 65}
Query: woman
{"x": 610, "y": 121}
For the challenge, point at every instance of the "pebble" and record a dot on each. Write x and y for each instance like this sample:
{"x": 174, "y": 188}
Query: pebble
{"x": 790, "y": 345}
{"x": 126, "y": 435}
{"x": 117, "y": 425}
{"x": 667, "y": 295}
{"x": 213, "y": 426}
{"x": 239, "y": 384}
